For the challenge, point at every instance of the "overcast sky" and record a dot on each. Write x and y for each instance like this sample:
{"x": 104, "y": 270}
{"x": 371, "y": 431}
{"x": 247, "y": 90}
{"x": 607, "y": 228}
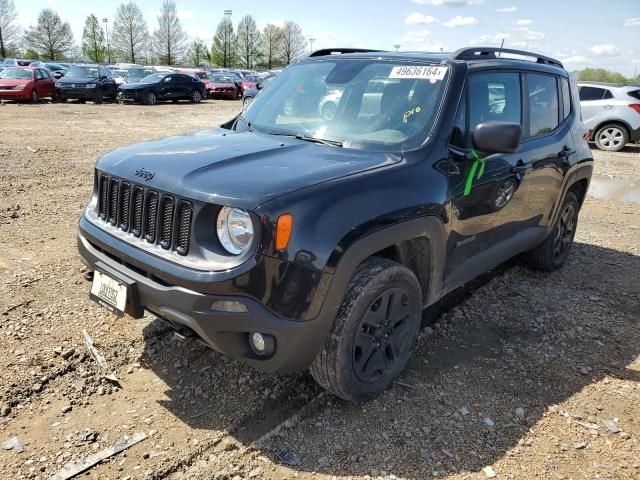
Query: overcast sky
{"x": 582, "y": 33}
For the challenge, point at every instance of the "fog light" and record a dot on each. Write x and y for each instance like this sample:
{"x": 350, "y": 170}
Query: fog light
{"x": 258, "y": 341}
{"x": 261, "y": 344}
{"x": 228, "y": 306}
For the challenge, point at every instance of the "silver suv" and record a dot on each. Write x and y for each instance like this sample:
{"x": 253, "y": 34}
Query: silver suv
{"x": 611, "y": 113}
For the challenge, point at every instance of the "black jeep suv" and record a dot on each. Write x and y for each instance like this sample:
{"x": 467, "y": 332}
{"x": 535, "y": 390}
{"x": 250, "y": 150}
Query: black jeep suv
{"x": 290, "y": 240}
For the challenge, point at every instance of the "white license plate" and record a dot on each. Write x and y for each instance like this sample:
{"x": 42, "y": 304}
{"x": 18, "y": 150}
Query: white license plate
{"x": 109, "y": 292}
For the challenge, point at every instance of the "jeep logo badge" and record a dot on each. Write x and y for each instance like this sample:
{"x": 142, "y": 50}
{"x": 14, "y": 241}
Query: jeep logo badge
{"x": 146, "y": 174}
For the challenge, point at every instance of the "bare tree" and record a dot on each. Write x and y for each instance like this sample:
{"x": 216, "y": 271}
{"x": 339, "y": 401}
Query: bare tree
{"x": 93, "y": 43}
{"x": 249, "y": 41}
{"x": 129, "y": 33}
{"x": 223, "y": 49}
{"x": 9, "y": 30}
{"x": 198, "y": 53}
{"x": 169, "y": 39}
{"x": 50, "y": 38}
{"x": 293, "y": 42}
{"x": 271, "y": 42}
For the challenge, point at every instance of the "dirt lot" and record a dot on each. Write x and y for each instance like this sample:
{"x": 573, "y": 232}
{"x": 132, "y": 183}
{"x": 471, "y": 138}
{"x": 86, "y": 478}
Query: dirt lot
{"x": 522, "y": 375}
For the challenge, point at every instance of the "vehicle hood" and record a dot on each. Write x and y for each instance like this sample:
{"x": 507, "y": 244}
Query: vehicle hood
{"x": 237, "y": 169}
{"x": 135, "y": 86}
{"x": 14, "y": 82}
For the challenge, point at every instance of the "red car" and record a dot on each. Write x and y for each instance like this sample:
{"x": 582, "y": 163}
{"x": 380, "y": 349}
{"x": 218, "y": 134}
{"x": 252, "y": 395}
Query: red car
{"x": 222, "y": 86}
{"x": 201, "y": 74}
{"x": 250, "y": 81}
{"x": 26, "y": 83}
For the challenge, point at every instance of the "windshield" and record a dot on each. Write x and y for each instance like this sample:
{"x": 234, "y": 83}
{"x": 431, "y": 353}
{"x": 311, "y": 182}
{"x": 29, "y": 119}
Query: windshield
{"x": 361, "y": 103}
{"x": 17, "y": 73}
{"x": 139, "y": 72}
{"x": 155, "y": 78}
{"x": 220, "y": 79}
{"x": 81, "y": 72}
{"x": 201, "y": 75}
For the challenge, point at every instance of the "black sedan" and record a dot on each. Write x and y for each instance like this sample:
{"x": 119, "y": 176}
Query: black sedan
{"x": 163, "y": 86}
{"x": 86, "y": 82}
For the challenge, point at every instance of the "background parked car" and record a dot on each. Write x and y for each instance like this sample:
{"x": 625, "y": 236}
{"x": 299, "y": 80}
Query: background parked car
{"x": 250, "y": 93}
{"x": 222, "y": 86}
{"x": 119, "y": 75}
{"x": 160, "y": 86}
{"x": 611, "y": 113}
{"x": 26, "y": 83}
{"x": 56, "y": 70}
{"x": 86, "y": 82}
{"x": 250, "y": 81}
{"x": 134, "y": 75}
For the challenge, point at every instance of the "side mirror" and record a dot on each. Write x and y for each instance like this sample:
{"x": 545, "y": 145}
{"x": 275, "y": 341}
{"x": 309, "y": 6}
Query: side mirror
{"x": 497, "y": 137}
{"x": 57, "y": 75}
{"x": 259, "y": 86}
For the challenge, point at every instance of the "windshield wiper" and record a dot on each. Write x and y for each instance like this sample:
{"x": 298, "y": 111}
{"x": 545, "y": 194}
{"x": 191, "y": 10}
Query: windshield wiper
{"x": 307, "y": 138}
{"x": 323, "y": 141}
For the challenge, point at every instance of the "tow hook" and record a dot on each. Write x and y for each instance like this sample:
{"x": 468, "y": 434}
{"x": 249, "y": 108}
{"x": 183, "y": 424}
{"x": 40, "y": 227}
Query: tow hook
{"x": 88, "y": 276}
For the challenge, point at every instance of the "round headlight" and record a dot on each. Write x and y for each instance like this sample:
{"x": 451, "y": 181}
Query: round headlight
{"x": 235, "y": 230}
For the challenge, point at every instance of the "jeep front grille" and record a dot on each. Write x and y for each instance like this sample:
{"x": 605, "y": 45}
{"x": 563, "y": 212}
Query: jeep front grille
{"x": 145, "y": 213}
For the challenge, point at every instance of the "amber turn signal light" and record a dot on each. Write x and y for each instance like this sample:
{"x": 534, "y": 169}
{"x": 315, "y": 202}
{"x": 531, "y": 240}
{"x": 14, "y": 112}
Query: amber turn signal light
{"x": 283, "y": 230}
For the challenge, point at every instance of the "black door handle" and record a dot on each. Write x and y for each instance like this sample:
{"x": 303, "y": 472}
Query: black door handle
{"x": 565, "y": 152}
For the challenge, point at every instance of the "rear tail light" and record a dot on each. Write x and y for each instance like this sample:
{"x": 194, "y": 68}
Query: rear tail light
{"x": 635, "y": 106}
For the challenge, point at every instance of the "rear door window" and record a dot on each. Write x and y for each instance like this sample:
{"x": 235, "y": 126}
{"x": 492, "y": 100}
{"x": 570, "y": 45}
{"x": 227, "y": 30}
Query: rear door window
{"x": 635, "y": 94}
{"x": 591, "y": 93}
{"x": 543, "y": 103}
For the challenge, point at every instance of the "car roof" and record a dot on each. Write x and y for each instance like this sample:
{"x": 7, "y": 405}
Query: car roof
{"x": 474, "y": 57}
{"x": 608, "y": 85}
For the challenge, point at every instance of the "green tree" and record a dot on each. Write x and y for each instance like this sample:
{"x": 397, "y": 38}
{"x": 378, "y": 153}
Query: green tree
{"x": 271, "y": 42}
{"x": 9, "y": 30}
{"x": 129, "y": 33}
{"x": 93, "y": 42}
{"x": 223, "y": 49}
{"x": 169, "y": 39}
{"x": 51, "y": 38}
{"x": 198, "y": 53}
{"x": 249, "y": 42}
{"x": 31, "y": 55}
{"x": 600, "y": 75}
{"x": 293, "y": 43}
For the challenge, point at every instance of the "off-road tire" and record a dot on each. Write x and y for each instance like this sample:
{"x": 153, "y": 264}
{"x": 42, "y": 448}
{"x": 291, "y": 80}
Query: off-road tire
{"x": 546, "y": 256}
{"x": 611, "y": 137}
{"x": 336, "y": 368}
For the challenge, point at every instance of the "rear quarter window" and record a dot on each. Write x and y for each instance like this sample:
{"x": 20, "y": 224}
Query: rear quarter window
{"x": 635, "y": 94}
{"x": 591, "y": 93}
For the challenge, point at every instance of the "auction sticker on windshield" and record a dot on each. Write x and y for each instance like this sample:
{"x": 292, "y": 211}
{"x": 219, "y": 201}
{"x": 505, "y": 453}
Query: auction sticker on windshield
{"x": 418, "y": 72}
{"x": 109, "y": 292}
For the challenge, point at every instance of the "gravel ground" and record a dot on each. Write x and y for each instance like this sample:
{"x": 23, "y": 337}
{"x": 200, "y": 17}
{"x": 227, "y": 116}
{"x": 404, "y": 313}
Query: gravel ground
{"x": 521, "y": 375}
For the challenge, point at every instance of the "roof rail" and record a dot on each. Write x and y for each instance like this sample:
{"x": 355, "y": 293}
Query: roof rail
{"x": 481, "y": 53}
{"x": 333, "y": 51}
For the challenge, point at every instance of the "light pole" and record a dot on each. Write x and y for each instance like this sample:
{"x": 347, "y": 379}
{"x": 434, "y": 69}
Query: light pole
{"x": 311, "y": 40}
{"x": 397, "y": 47}
{"x": 227, "y": 40}
{"x": 106, "y": 29}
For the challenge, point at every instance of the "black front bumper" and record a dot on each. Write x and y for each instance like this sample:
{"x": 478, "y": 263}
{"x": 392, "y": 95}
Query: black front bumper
{"x": 296, "y": 342}
{"x": 77, "y": 93}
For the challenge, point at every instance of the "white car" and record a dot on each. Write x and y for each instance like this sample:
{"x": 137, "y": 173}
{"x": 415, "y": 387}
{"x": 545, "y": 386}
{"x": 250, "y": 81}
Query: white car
{"x": 611, "y": 113}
